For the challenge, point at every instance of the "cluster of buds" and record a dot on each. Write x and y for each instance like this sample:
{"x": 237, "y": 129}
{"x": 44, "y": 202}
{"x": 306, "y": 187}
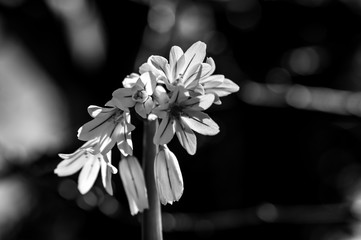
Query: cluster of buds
{"x": 175, "y": 94}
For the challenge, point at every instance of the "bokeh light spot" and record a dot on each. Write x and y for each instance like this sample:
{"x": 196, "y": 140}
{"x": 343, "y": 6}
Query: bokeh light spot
{"x": 267, "y": 212}
{"x": 306, "y": 60}
{"x": 244, "y": 14}
{"x": 109, "y": 206}
{"x": 161, "y": 18}
{"x": 68, "y": 189}
{"x": 168, "y": 222}
{"x": 299, "y": 96}
{"x": 216, "y": 42}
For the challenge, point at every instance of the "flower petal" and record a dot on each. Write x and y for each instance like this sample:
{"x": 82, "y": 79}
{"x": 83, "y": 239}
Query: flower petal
{"x": 165, "y": 131}
{"x": 179, "y": 95}
{"x": 199, "y": 103}
{"x": 160, "y": 95}
{"x": 193, "y": 77}
{"x": 186, "y": 137}
{"x": 122, "y": 98}
{"x": 134, "y": 184}
{"x": 161, "y": 111}
{"x": 194, "y": 55}
{"x": 168, "y": 176}
{"x": 94, "y": 128}
{"x": 71, "y": 165}
{"x": 124, "y": 138}
{"x": 201, "y": 123}
{"x": 174, "y": 55}
{"x": 224, "y": 89}
{"x": 130, "y": 80}
{"x": 176, "y": 62}
{"x": 106, "y": 171}
{"x": 145, "y": 108}
{"x": 96, "y": 111}
{"x": 212, "y": 81}
{"x": 89, "y": 174}
{"x": 160, "y": 66}
{"x": 210, "y": 62}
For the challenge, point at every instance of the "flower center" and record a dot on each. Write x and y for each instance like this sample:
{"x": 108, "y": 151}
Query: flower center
{"x": 140, "y": 96}
{"x": 176, "y": 110}
{"x": 178, "y": 80}
{"x": 117, "y": 116}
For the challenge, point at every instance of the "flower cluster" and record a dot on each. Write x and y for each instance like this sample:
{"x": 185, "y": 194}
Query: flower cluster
{"x": 174, "y": 93}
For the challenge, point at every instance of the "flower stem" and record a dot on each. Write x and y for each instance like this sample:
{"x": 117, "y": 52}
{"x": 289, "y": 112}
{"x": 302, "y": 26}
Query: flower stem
{"x": 152, "y": 220}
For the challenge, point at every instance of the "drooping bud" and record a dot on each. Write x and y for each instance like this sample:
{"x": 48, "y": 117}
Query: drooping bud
{"x": 168, "y": 176}
{"x": 134, "y": 184}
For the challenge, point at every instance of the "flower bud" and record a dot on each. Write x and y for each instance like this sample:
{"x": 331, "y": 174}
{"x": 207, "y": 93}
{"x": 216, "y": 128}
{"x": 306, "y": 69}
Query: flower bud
{"x": 168, "y": 176}
{"x": 133, "y": 180}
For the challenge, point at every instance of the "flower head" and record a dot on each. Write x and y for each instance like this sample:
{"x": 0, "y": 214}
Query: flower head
{"x": 110, "y": 126}
{"x": 139, "y": 95}
{"x": 188, "y": 70}
{"x": 173, "y": 93}
{"x": 181, "y": 116}
{"x": 134, "y": 184}
{"x": 168, "y": 176}
{"x": 183, "y": 69}
{"x": 90, "y": 161}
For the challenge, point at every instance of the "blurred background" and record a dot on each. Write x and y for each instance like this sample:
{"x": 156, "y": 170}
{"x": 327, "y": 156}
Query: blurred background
{"x": 286, "y": 164}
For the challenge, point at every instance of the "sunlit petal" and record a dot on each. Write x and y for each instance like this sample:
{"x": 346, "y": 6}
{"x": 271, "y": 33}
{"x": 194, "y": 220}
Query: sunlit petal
{"x": 179, "y": 95}
{"x": 174, "y": 55}
{"x": 212, "y": 81}
{"x": 168, "y": 176}
{"x": 160, "y": 95}
{"x": 199, "y": 103}
{"x": 193, "y": 77}
{"x": 149, "y": 82}
{"x": 195, "y": 55}
{"x": 176, "y": 62}
{"x": 134, "y": 184}
{"x": 124, "y": 138}
{"x": 94, "y": 128}
{"x": 165, "y": 131}
{"x": 106, "y": 172}
{"x": 186, "y": 137}
{"x": 211, "y": 63}
{"x": 224, "y": 89}
{"x": 72, "y": 165}
{"x": 201, "y": 123}
{"x": 96, "y": 111}
{"x": 160, "y": 64}
{"x": 130, "y": 80}
{"x": 122, "y": 98}
{"x": 89, "y": 174}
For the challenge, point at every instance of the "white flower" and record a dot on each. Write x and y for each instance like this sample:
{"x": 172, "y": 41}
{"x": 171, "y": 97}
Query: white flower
{"x": 139, "y": 95}
{"x": 134, "y": 184}
{"x": 188, "y": 70}
{"x": 90, "y": 161}
{"x": 168, "y": 176}
{"x": 183, "y": 69}
{"x": 181, "y": 116}
{"x": 111, "y": 126}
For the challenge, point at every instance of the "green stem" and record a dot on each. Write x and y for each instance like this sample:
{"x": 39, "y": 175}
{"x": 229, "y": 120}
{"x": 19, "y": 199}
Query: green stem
{"x": 152, "y": 220}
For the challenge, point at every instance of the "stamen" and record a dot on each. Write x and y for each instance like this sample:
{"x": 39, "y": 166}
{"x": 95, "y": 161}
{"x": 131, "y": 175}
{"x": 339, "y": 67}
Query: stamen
{"x": 176, "y": 110}
{"x": 117, "y": 117}
{"x": 140, "y": 96}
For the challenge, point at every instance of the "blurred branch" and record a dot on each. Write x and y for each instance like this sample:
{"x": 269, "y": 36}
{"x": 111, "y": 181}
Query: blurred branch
{"x": 265, "y": 213}
{"x": 302, "y": 97}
